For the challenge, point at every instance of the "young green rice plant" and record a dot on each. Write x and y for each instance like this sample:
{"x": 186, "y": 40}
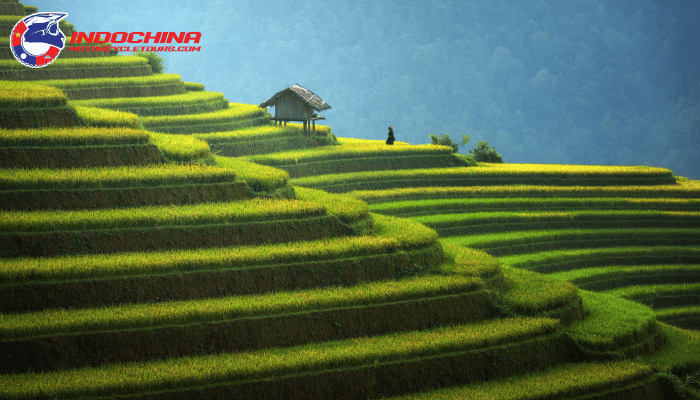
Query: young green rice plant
{"x": 235, "y": 112}
{"x": 565, "y": 260}
{"x": 611, "y": 322}
{"x": 260, "y": 178}
{"x": 647, "y": 293}
{"x": 180, "y": 148}
{"x": 183, "y": 312}
{"x": 104, "y": 118}
{"x": 92, "y": 178}
{"x": 561, "y": 381}
{"x": 154, "y": 101}
{"x": 77, "y": 136}
{"x": 609, "y": 277}
{"x": 87, "y": 62}
{"x": 200, "y": 214}
{"x": 483, "y": 222}
{"x": 678, "y": 312}
{"x": 15, "y": 94}
{"x": 529, "y": 292}
{"x": 679, "y": 354}
{"x": 150, "y": 80}
{"x": 516, "y": 242}
{"x": 264, "y": 364}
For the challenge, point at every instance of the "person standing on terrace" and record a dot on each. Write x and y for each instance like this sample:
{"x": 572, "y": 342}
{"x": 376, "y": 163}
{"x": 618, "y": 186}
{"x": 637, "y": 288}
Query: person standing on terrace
{"x": 390, "y": 139}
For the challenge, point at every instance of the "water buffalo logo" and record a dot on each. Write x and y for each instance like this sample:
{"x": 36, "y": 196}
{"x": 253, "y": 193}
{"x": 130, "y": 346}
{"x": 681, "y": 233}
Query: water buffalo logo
{"x": 36, "y": 39}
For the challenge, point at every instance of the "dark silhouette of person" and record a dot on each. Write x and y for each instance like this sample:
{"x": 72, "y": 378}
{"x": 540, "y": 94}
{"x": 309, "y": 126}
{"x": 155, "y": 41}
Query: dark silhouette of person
{"x": 390, "y": 139}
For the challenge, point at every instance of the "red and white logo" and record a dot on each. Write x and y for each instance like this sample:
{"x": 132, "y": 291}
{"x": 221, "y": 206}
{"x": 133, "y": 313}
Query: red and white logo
{"x": 36, "y": 40}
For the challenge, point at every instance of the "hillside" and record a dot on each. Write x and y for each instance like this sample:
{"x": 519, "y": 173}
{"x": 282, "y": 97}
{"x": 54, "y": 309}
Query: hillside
{"x": 159, "y": 241}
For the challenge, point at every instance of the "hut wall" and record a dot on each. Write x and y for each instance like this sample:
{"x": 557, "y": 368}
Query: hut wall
{"x": 292, "y": 108}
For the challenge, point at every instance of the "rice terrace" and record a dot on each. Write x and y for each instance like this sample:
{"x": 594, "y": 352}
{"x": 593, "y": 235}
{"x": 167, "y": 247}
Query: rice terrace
{"x": 158, "y": 241}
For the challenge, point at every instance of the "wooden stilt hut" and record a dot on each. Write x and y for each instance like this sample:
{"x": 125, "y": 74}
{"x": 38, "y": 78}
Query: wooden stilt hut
{"x": 296, "y": 103}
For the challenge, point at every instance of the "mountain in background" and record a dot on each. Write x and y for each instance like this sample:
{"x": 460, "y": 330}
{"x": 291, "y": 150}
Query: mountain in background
{"x": 576, "y": 82}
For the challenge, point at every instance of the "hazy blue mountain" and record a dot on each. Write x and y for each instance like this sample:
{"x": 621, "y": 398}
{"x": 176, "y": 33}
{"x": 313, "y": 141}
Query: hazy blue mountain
{"x": 555, "y": 81}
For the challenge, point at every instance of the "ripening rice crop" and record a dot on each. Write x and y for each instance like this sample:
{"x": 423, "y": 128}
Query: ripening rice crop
{"x": 91, "y": 178}
{"x": 150, "y": 80}
{"x": 561, "y": 381}
{"x": 200, "y": 214}
{"x": 236, "y": 111}
{"x": 76, "y": 136}
{"x": 181, "y": 148}
{"x": 270, "y": 363}
{"x": 345, "y": 151}
{"x": 53, "y": 322}
{"x": 154, "y": 101}
{"x": 260, "y": 178}
{"x": 611, "y": 322}
{"x": 15, "y": 94}
{"x": 248, "y": 134}
{"x": 683, "y": 188}
{"x": 105, "y": 118}
{"x": 87, "y": 62}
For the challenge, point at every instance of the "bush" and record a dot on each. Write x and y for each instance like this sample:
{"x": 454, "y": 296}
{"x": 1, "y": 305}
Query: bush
{"x": 156, "y": 62}
{"x": 445, "y": 140}
{"x": 485, "y": 153}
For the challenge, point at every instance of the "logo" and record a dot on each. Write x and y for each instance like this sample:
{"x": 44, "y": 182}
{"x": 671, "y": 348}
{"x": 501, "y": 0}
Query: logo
{"x": 36, "y": 40}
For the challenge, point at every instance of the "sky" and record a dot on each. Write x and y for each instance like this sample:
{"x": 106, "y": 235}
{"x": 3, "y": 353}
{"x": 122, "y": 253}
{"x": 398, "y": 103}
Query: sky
{"x": 551, "y": 81}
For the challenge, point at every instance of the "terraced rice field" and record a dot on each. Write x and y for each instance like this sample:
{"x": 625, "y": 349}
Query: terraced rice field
{"x": 215, "y": 255}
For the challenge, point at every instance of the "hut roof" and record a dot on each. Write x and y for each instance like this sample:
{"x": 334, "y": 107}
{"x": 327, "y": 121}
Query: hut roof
{"x": 305, "y": 94}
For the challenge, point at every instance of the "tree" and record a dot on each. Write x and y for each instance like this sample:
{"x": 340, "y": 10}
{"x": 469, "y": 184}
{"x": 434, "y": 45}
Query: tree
{"x": 485, "y": 153}
{"x": 445, "y": 140}
{"x": 156, "y": 62}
